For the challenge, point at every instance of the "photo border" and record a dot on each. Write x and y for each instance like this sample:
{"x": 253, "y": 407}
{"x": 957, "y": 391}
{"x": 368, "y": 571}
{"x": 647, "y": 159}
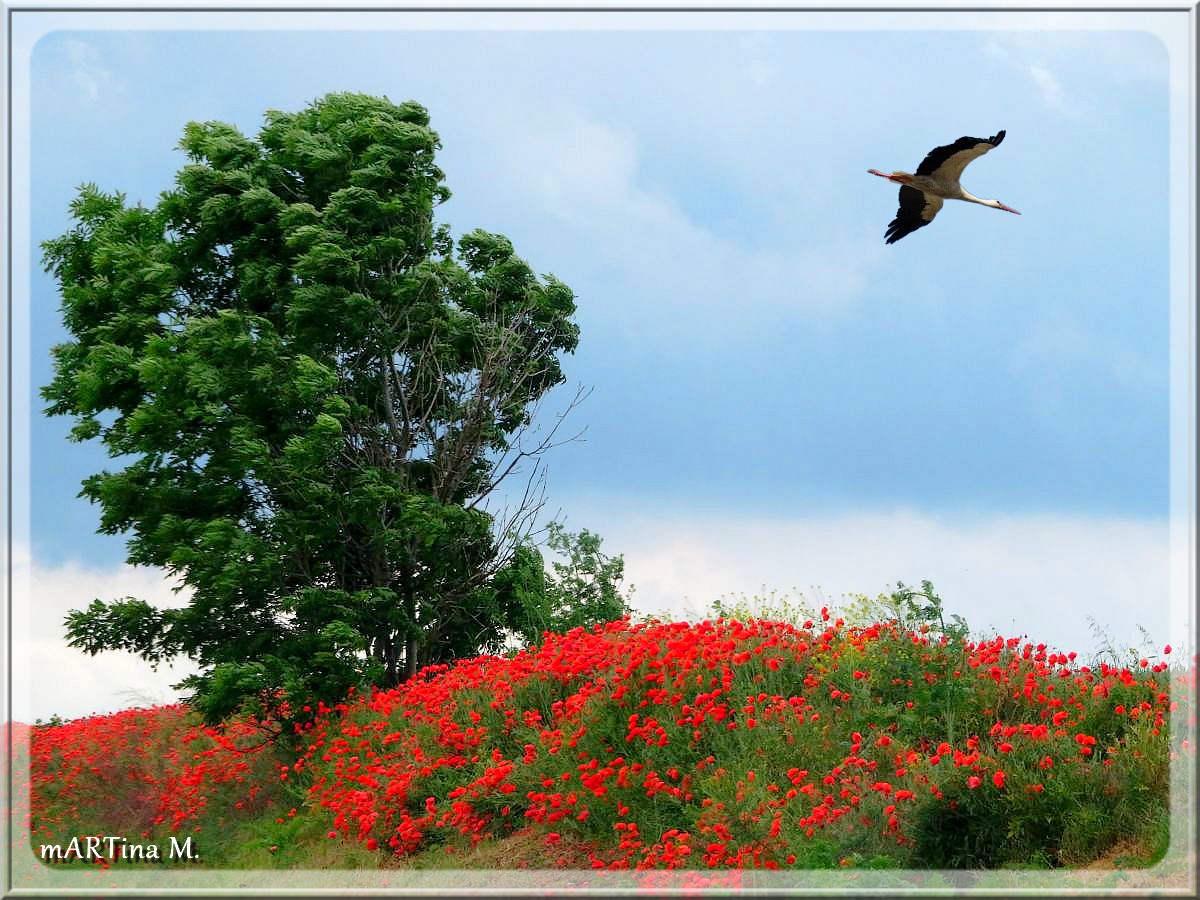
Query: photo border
{"x": 48, "y": 881}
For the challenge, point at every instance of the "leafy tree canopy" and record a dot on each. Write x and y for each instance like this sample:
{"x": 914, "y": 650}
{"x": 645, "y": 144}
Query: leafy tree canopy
{"x": 309, "y": 391}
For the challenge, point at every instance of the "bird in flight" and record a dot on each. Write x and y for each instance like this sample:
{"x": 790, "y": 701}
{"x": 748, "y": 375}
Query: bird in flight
{"x": 936, "y": 179}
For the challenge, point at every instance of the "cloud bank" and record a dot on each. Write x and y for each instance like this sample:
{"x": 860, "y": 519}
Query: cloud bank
{"x": 51, "y": 678}
{"x": 1038, "y": 575}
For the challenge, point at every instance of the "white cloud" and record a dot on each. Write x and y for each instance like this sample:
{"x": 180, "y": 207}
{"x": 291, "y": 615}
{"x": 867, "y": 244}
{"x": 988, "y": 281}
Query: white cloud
{"x": 585, "y": 175}
{"x": 85, "y": 71}
{"x": 48, "y": 676}
{"x": 760, "y": 73}
{"x": 1026, "y": 59}
{"x": 1120, "y": 55}
{"x": 1051, "y": 89}
{"x": 1034, "y": 574}
{"x": 1065, "y": 51}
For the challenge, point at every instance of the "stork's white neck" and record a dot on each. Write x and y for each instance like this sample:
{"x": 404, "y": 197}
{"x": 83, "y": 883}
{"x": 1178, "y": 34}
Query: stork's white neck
{"x": 971, "y": 198}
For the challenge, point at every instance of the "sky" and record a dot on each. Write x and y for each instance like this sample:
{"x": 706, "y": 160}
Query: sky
{"x": 779, "y": 401}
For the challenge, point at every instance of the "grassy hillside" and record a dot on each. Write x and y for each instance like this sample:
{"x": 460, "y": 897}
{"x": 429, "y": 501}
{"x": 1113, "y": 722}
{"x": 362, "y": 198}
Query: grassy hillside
{"x": 716, "y": 745}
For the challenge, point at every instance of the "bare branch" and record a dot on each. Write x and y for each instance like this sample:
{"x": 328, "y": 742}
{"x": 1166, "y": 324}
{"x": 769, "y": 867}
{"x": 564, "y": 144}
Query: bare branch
{"x": 506, "y": 466}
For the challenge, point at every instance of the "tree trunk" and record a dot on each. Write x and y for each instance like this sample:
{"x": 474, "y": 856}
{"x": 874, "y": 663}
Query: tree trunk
{"x": 410, "y": 656}
{"x": 408, "y": 593}
{"x": 391, "y": 675}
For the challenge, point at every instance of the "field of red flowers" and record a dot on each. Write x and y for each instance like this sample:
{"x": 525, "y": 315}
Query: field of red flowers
{"x": 723, "y": 744}
{"x": 143, "y": 773}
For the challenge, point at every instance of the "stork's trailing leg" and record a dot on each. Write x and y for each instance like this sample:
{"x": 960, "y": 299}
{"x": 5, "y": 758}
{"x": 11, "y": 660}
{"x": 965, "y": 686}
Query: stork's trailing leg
{"x": 898, "y": 177}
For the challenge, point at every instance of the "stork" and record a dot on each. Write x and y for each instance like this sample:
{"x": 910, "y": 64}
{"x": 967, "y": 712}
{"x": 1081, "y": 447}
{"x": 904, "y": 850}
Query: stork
{"x": 921, "y": 195}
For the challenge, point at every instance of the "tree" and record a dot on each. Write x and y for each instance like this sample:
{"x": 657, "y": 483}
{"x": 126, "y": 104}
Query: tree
{"x": 585, "y": 587}
{"x": 317, "y": 391}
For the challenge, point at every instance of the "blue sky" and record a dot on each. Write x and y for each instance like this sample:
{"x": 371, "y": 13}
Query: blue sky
{"x": 765, "y": 371}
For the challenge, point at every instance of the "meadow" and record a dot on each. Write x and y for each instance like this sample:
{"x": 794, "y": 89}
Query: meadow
{"x": 730, "y": 743}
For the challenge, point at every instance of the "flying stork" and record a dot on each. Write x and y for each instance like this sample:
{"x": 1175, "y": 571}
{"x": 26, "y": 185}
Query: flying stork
{"x": 921, "y": 195}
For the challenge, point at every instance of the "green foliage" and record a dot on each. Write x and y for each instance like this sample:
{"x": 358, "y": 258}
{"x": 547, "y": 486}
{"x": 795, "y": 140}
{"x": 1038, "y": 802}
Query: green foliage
{"x": 311, "y": 390}
{"x": 775, "y": 607}
{"x": 585, "y": 589}
{"x": 908, "y": 608}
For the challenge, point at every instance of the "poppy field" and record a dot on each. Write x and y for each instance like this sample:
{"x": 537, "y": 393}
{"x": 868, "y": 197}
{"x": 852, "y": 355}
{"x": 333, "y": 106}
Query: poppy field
{"x": 726, "y": 744}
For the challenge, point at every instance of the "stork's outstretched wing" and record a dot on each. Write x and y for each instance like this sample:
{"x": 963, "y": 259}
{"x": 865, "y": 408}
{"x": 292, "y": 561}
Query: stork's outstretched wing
{"x": 947, "y": 163}
{"x": 917, "y": 210}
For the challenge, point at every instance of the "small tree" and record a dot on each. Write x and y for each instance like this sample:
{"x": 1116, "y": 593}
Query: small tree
{"x": 314, "y": 391}
{"x": 584, "y": 587}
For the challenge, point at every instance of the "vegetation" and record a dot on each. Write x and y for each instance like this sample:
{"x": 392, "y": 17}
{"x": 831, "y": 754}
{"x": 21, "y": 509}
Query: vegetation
{"x": 313, "y": 391}
{"x": 584, "y": 587}
{"x": 731, "y": 743}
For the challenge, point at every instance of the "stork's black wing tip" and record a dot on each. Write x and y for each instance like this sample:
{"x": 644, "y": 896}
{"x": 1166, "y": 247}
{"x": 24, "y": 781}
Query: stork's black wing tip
{"x": 898, "y": 229}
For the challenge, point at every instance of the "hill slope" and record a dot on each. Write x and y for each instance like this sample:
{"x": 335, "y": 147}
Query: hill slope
{"x": 717, "y": 745}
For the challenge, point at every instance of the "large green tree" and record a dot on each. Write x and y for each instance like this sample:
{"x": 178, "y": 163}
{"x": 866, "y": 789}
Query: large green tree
{"x": 313, "y": 390}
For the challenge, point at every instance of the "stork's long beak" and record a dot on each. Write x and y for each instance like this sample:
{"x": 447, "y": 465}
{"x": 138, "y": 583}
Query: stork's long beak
{"x": 1008, "y": 209}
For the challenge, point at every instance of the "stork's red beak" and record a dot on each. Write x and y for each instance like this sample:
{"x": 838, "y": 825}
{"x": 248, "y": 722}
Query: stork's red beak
{"x": 1008, "y": 209}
